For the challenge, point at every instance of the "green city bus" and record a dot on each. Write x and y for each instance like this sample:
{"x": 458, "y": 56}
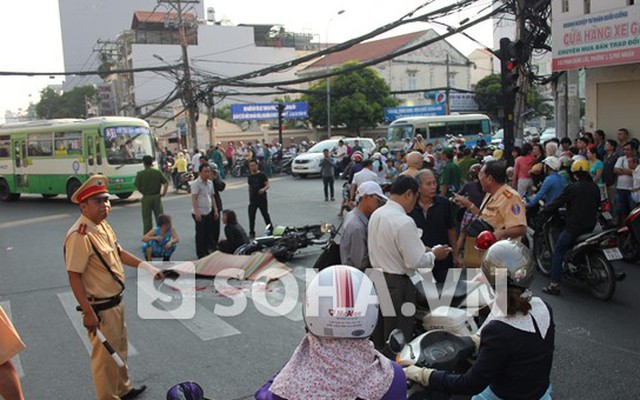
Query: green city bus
{"x": 53, "y": 157}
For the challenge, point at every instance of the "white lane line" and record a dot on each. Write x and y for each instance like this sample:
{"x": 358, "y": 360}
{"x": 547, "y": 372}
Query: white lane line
{"x": 31, "y": 221}
{"x": 69, "y": 304}
{"x": 6, "y": 306}
{"x": 208, "y": 326}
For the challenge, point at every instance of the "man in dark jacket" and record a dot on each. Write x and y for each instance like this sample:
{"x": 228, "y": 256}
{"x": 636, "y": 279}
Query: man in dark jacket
{"x": 582, "y": 199}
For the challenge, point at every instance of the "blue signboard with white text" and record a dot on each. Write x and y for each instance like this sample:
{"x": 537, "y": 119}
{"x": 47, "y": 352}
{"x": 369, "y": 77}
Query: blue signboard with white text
{"x": 393, "y": 113}
{"x": 268, "y": 111}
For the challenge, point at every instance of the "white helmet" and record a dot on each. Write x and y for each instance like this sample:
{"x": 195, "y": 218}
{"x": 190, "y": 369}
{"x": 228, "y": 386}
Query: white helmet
{"x": 553, "y": 163}
{"x": 512, "y": 256}
{"x": 341, "y": 302}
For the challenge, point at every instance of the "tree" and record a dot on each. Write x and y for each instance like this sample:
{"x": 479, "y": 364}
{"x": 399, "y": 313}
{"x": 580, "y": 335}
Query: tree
{"x": 72, "y": 104}
{"x": 489, "y": 95}
{"x": 358, "y": 99}
{"x": 223, "y": 112}
{"x": 540, "y": 107}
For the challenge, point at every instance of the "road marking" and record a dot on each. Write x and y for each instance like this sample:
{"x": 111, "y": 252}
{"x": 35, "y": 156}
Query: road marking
{"x": 6, "y": 306}
{"x": 208, "y": 326}
{"x": 69, "y": 303}
{"x": 31, "y": 221}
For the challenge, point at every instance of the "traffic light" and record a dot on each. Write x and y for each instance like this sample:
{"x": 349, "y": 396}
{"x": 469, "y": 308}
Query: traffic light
{"x": 280, "y": 108}
{"x": 512, "y": 57}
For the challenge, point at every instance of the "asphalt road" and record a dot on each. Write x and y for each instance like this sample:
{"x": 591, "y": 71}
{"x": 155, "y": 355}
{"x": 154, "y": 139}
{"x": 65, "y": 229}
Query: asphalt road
{"x": 597, "y": 351}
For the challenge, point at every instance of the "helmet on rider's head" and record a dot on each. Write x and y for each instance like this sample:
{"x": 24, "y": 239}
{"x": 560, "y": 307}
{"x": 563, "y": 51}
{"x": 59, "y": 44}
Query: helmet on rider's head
{"x": 580, "y": 165}
{"x": 384, "y": 151}
{"x": 474, "y": 170}
{"x": 512, "y": 256}
{"x": 186, "y": 391}
{"x": 340, "y": 302}
{"x": 357, "y": 156}
{"x": 565, "y": 161}
{"x": 552, "y": 162}
{"x": 578, "y": 157}
{"x": 485, "y": 240}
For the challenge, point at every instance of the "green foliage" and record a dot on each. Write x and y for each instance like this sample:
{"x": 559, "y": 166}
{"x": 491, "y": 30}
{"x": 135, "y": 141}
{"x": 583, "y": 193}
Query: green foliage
{"x": 536, "y": 101}
{"x": 223, "y": 112}
{"x": 358, "y": 99}
{"x": 489, "y": 94}
{"x": 68, "y": 105}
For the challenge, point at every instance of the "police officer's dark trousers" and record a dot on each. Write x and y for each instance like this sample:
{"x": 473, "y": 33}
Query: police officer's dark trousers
{"x": 203, "y": 232}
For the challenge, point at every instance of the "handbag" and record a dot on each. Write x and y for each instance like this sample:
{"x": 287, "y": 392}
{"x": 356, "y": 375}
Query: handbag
{"x": 479, "y": 225}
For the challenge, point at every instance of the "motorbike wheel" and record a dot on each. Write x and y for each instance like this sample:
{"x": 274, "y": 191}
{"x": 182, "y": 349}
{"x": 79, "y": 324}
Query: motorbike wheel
{"x": 236, "y": 172}
{"x": 602, "y": 279}
{"x": 282, "y": 252}
{"x": 247, "y": 249}
{"x": 629, "y": 248}
{"x": 542, "y": 254}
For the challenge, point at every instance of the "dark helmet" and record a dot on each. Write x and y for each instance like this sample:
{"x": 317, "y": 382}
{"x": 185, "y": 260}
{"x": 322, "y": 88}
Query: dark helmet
{"x": 186, "y": 391}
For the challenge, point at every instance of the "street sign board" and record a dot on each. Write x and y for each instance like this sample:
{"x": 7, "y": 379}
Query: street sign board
{"x": 393, "y": 113}
{"x": 268, "y": 111}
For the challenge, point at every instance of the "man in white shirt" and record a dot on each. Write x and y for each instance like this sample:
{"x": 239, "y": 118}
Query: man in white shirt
{"x": 366, "y": 174}
{"x": 340, "y": 155}
{"x": 395, "y": 248}
{"x": 625, "y": 181}
{"x": 195, "y": 161}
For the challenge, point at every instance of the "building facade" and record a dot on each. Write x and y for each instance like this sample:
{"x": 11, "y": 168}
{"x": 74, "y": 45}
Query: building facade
{"x": 420, "y": 70}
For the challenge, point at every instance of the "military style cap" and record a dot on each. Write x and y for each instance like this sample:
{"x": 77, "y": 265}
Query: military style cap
{"x": 96, "y": 185}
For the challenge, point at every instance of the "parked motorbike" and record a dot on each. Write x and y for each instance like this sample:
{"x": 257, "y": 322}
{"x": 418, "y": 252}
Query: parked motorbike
{"x": 588, "y": 261}
{"x": 285, "y": 241}
{"x": 184, "y": 181}
{"x": 437, "y": 349}
{"x": 629, "y": 236}
{"x": 240, "y": 168}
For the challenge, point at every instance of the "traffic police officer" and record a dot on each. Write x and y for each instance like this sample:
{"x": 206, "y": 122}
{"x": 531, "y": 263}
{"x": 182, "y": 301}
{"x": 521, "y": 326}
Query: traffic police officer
{"x": 150, "y": 181}
{"x": 502, "y": 208}
{"x": 94, "y": 262}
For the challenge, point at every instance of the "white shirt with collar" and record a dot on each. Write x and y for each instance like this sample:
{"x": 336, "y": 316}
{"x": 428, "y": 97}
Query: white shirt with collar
{"x": 394, "y": 241}
{"x": 365, "y": 175}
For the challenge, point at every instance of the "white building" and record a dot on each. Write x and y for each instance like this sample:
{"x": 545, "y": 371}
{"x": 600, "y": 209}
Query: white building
{"x": 603, "y": 38}
{"x": 420, "y": 70}
{"x": 482, "y": 65}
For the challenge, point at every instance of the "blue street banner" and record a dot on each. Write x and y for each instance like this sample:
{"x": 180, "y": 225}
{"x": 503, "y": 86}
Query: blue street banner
{"x": 393, "y": 113}
{"x": 268, "y": 111}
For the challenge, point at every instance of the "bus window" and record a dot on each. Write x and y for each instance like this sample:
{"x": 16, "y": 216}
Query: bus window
{"x": 90, "y": 150}
{"x": 68, "y": 143}
{"x": 456, "y": 128}
{"x": 437, "y": 130}
{"x": 5, "y": 147}
{"x": 421, "y": 131}
{"x": 39, "y": 145}
{"x": 399, "y": 132}
{"x": 18, "y": 155}
{"x": 476, "y": 127}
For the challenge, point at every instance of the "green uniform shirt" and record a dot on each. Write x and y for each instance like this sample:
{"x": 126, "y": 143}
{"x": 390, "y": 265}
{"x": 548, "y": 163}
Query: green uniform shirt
{"x": 450, "y": 175}
{"x": 465, "y": 164}
{"x": 149, "y": 181}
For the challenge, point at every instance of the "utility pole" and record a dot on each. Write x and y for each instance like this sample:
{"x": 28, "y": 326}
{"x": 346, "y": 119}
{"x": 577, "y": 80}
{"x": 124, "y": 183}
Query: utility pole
{"x": 521, "y": 95}
{"x": 448, "y": 103}
{"x": 187, "y": 85}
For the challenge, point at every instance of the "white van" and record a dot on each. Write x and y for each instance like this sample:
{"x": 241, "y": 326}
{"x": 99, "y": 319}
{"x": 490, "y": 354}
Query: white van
{"x": 308, "y": 163}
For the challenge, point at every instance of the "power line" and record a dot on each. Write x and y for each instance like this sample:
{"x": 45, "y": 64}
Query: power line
{"x": 83, "y": 73}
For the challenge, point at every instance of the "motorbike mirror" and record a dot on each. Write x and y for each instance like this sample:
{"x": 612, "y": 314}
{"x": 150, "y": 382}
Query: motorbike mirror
{"x": 396, "y": 341}
{"x": 186, "y": 391}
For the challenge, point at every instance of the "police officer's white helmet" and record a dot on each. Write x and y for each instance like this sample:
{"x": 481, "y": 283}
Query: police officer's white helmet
{"x": 341, "y": 302}
{"x": 552, "y": 162}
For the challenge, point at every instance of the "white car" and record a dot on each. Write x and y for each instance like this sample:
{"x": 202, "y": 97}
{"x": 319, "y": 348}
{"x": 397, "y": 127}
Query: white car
{"x": 308, "y": 163}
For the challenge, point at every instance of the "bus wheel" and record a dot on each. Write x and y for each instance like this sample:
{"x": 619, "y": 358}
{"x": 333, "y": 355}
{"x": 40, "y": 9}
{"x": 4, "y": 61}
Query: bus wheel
{"x": 5, "y": 192}
{"x": 48, "y": 196}
{"x": 124, "y": 195}
{"x": 72, "y": 187}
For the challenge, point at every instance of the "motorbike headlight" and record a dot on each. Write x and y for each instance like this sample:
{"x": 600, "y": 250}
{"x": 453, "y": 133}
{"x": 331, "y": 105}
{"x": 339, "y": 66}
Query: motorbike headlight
{"x": 327, "y": 228}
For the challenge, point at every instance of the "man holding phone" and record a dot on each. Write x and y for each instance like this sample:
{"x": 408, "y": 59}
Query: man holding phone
{"x": 395, "y": 248}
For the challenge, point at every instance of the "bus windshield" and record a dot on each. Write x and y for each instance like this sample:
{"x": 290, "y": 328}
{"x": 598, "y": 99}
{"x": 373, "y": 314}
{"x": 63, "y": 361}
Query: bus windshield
{"x": 400, "y": 132}
{"x": 127, "y": 144}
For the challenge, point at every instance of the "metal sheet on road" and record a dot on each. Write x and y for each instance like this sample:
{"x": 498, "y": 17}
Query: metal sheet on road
{"x": 69, "y": 304}
{"x": 208, "y": 326}
{"x": 6, "y": 306}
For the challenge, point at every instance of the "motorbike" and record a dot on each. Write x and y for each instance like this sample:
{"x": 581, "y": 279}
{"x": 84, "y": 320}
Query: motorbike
{"x": 240, "y": 168}
{"x": 588, "y": 261}
{"x": 184, "y": 181}
{"x": 629, "y": 236}
{"x": 285, "y": 241}
{"x": 437, "y": 349}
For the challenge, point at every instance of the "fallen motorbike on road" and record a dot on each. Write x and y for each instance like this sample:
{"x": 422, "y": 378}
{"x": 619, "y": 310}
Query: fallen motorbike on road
{"x": 587, "y": 262}
{"x": 285, "y": 241}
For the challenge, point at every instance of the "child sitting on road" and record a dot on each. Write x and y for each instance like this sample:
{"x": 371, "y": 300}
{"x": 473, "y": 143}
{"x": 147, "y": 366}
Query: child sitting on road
{"x": 160, "y": 241}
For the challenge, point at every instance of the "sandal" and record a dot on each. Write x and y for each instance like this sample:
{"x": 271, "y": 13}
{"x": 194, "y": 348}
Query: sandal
{"x": 552, "y": 289}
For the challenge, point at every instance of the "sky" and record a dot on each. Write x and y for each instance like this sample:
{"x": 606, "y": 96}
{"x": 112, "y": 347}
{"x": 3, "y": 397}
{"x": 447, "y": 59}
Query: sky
{"x": 31, "y": 39}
